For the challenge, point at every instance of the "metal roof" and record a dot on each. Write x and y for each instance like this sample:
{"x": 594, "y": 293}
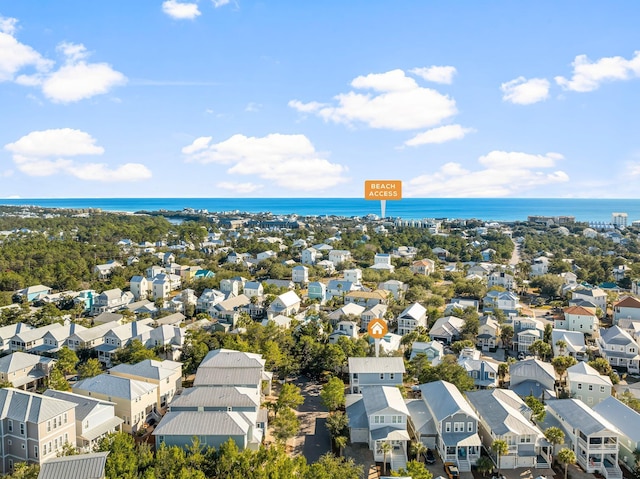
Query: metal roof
{"x": 115, "y": 386}
{"x": 228, "y": 358}
{"x": 204, "y": 423}
{"x": 444, "y": 400}
{"x": 30, "y": 407}
{"x": 622, "y": 416}
{"x": 376, "y": 365}
{"x": 503, "y": 411}
{"x": 216, "y": 397}
{"x": 82, "y": 466}
{"x": 19, "y": 360}
{"x": 579, "y": 416}
{"x": 379, "y": 398}
{"x": 148, "y": 368}
{"x": 84, "y": 405}
{"x": 227, "y": 377}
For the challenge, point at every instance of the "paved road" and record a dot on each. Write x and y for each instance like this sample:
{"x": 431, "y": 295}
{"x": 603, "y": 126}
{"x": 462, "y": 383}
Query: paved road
{"x": 515, "y": 256}
{"x": 313, "y": 438}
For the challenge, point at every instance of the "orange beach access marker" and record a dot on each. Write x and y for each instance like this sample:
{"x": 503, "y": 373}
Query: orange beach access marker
{"x": 383, "y": 190}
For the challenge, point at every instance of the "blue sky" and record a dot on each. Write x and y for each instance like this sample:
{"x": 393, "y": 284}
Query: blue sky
{"x": 223, "y": 98}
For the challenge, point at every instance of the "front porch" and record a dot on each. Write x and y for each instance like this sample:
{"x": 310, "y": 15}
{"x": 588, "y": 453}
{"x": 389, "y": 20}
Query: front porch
{"x": 463, "y": 454}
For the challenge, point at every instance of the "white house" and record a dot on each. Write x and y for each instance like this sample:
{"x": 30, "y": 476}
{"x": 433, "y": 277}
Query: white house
{"x": 627, "y": 308}
{"x": 578, "y": 318}
{"x": 300, "y": 274}
{"x": 593, "y": 295}
{"x": 574, "y": 344}
{"x": 353, "y": 275}
{"x": 447, "y": 329}
{"x": 627, "y": 421}
{"x": 414, "y": 316}
{"x": 619, "y": 348}
{"x": 337, "y": 256}
{"x": 382, "y": 371}
{"x": 308, "y": 256}
{"x": 382, "y": 261}
{"x": 501, "y": 279}
{"x": 587, "y": 384}
{"x": 287, "y": 304}
{"x": 140, "y": 287}
{"x": 532, "y": 376}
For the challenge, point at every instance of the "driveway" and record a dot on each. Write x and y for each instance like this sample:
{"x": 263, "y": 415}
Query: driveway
{"x": 313, "y": 439}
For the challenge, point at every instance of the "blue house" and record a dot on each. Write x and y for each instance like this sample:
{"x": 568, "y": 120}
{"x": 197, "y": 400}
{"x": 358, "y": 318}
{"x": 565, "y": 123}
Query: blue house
{"x": 33, "y": 292}
{"x": 204, "y": 273}
{"x": 317, "y": 290}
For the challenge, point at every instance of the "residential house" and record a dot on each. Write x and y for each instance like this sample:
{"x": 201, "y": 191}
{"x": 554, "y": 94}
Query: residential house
{"x": 56, "y": 338}
{"x": 627, "y": 308}
{"x": 280, "y": 321}
{"x": 487, "y": 254}
{"x": 167, "y": 375}
{"x": 382, "y": 261}
{"x": 95, "y": 418}
{"x": 506, "y": 301}
{"x": 382, "y": 371}
{"x": 90, "y": 338}
{"x": 578, "y": 318}
{"x": 287, "y": 304}
{"x": 447, "y": 329}
{"x": 587, "y": 384}
{"x": 488, "y": 334}
{"x": 9, "y": 331}
{"x": 300, "y": 274}
{"x": 593, "y": 295}
{"x": 353, "y": 275}
{"x": 350, "y": 310}
{"x": 619, "y": 349}
{"x": 456, "y": 424}
{"x": 33, "y": 293}
{"x": 389, "y": 343}
{"x": 164, "y": 283}
{"x": 110, "y": 300}
{"x": 280, "y": 283}
{"x": 140, "y": 287}
{"x": 82, "y": 466}
{"x": 413, "y": 317}
{"x": 627, "y": 422}
{"x": 441, "y": 253}
{"x": 377, "y": 311}
{"x": 209, "y": 298}
{"x": 592, "y": 438}
{"x": 367, "y": 299}
{"x": 135, "y": 401}
{"x": 423, "y": 267}
{"x": 502, "y": 279}
{"x": 395, "y": 287}
{"x": 308, "y": 256}
{"x": 574, "y": 344}
{"x": 265, "y": 255}
{"x": 527, "y": 330}
{"x": 328, "y": 267}
{"x": 26, "y": 340}
{"x": 433, "y": 350}
{"x": 483, "y": 372}
{"x": 116, "y": 317}
{"x": 169, "y": 336}
{"x": 379, "y": 416}
{"x": 25, "y": 371}
{"x": 482, "y": 270}
{"x": 338, "y": 256}
{"x": 253, "y": 288}
{"x": 539, "y": 266}
{"x": 532, "y": 377}
{"x": 226, "y": 367}
{"x": 229, "y": 310}
{"x": 504, "y": 416}
{"x": 317, "y": 290}
{"x": 118, "y": 337}
{"x": 105, "y": 270}
{"x": 34, "y": 427}
{"x": 458, "y": 305}
{"x": 347, "y": 329}
{"x": 85, "y": 298}
{"x": 230, "y": 287}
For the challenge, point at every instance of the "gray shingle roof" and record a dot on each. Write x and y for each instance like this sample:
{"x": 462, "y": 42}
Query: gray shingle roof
{"x": 83, "y": 466}
{"x": 206, "y": 423}
{"x": 115, "y": 386}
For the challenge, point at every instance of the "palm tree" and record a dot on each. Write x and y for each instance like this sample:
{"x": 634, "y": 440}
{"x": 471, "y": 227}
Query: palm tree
{"x": 386, "y": 449}
{"x": 555, "y": 436}
{"x": 500, "y": 447}
{"x": 503, "y": 370}
{"x": 566, "y": 456}
{"x": 484, "y": 464}
{"x": 418, "y": 449}
{"x": 561, "y": 344}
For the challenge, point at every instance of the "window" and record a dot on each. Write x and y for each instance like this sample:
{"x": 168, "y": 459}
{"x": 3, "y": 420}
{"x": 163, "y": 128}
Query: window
{"x": 22, "y": 429}
{"x": 23, "y": 446}
{"x": 11, "y": 464}
{"x": 65, "y": 417}
{"x": 590, "y": 387}
{"x": 391, "y": 375}
{"x": 10, "y": 425}
{"x": 9, "y": 442}
{"x": 447, "y": 427}
{"x": 458, "y": 427}
{"x": 470, "y": 426}
{"x": 35, "y": 451}
{"x": 579, "y": 385}
{"x": 381, "y": 376}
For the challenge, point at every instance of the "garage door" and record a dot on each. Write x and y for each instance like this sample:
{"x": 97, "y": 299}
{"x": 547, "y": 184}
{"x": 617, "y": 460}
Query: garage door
{"x": 508, "y": 462}
{"x": 359, "y": 435}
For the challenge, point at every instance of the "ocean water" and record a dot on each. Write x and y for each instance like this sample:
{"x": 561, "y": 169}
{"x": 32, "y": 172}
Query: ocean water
{"x": 496, "y": 209}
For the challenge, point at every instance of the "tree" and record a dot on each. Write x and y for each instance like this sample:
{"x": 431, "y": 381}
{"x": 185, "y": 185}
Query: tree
{"x": 500, "y": 447}
{"x": 562, "y": 363}
{"x": 448, "y": 370}
{"x": 503, "y": 370}
{"x": 133, "y": 353}
{"x": 549, "y": 285}
{"x": 90, "y": 368}
{"x": 57, "y": 381}
{"x": 122, "y": 461}
{"x": 458, "y": 346}
{"x": 554, "y": 435}
{"x": 418, "y": 448}
{"x": 540, "y": 348}
{"x": 561, "y": 344}
{"x": 536, "y": 407}
{"x": 386, "y": 448}
{"x": 330, "y": 467}
{"x": 337, "y": 424}
{"x": 289, "y": 397}
{"x": 484, "y": 465}
{"x": 506, "y": 335}
{"x": 341, "y": 442}
{"x": 566, "y": 456}
{"x": 22, "y": 470}
{"x": 414, "y": 470}
{"x": 332, "y": 394}
{"x": 603, "y": 367}
{"x": 67, "y": 360}
{"x": 285, "y": 425}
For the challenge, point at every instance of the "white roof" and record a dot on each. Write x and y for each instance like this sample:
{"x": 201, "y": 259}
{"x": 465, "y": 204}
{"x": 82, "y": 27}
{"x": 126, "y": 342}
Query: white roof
{"x": 376, "y": 365}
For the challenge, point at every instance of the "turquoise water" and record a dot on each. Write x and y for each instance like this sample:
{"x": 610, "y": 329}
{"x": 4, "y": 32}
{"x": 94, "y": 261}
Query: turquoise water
{"x": 498, "y": 209}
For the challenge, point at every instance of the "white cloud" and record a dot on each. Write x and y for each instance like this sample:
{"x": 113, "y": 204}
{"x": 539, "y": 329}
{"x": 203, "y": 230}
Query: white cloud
{"x": 48, "y": 152}
{"x": 398, "y": 104}
{"x": 525, "y": 92}
{"x": 14, "y": 56}
{"x": 289, "y": 161}
{"x": 440, "y": 134}
{"x": 180, "y": 10}
{"x": 588, "y": 76}
{"x": 242, "y": 188}
{"x": 503, "y": 174}
{"x": 220, "y": 3}
{"x": 253, "y": 107}
{"x": 436, "y": 74}
{"x": 75, "y": 80}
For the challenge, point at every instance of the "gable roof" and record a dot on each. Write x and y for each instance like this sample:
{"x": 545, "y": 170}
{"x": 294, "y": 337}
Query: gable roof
{"x": 621, "y": 416}
{"x": 580, "y": 416}
{"x": 615, "y": 335}
{"x": 30, "y": 407}
{"x": 444, "y": 399}
{"x": 503, "y": 411}
{"x": 229, "y": 358}
{"x": 19, "y": 360}
{"x": 582, "y": 372}
{"x": 115, "y": 386}
{"x": 82, "y": 466}
{"x": 628, "y": 302}
{"x": 578, "y": 310}
{"x": 379, "y": 398}
{"x": 203, "y": 423}
{"x": 223, "y": 396}
{"x": 289, "y": 298}
{"x": 84, "y": 405}
{"x": 376, "y": 365}
{"x": 148, "y": 368}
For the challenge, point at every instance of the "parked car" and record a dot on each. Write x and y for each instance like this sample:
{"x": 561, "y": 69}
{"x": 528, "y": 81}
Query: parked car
{"x": 430, "y": 458}
{"x": 451, "y": 470}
